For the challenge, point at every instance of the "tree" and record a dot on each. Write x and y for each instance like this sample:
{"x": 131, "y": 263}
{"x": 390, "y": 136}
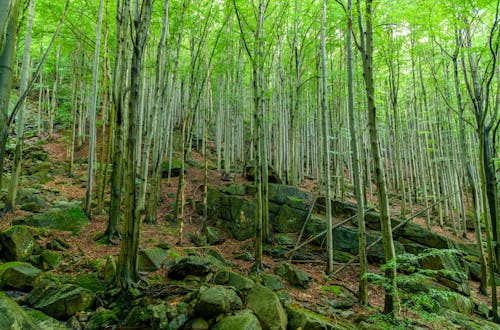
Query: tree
{"x": 8, "y": 30}
{"x": 127, "y": 272}
{"x": 25, "y": 73}
{"x": 391, "y": 305}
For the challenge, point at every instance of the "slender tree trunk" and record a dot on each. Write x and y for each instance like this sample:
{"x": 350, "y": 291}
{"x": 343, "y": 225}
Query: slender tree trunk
{"x": 7, "y": 52}
{"x": 358, "y": 185}
{"x": 326, "y": 147}
{"x": 391, "y": 305}
{"x": 93, "y": 105}
{"x": 25, "y": 75}
{"x": 127, "y": 272}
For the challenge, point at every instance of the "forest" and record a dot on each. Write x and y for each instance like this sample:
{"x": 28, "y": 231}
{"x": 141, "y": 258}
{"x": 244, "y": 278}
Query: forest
{"x": 249, "y": 164}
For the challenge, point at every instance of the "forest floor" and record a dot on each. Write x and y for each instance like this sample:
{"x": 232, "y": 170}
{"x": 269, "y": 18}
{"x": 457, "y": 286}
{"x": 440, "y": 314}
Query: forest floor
{"x": 86, "y": 251}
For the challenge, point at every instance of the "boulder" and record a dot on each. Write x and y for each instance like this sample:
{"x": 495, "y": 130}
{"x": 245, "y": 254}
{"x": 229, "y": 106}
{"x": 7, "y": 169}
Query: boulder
{"x": 174, "y": 167}
{"x": 293, "y": 275}
{"x": 234, "y": 189}
{"x": 191, "y": 265}
{"x": 272, "y": 282}
{"x": 45, "y": 322}
{"x": 217, "y": 300}
{"x": 242, "y": 320}
{"x": 340, "y": 297}
{"x": 60, "y": 300}
{"x": 280, "y": 194}
{"x": 213, "y": 236}
{"x": 199, "y": 324}
{"x": 249, "y": 173}
{"x": 455, "y": 302}
{"x": 68, "y": 218}
{"x": 17, "y": 243}
{"x": 289, "y": 220}
{"x": 151, "y": 259}
{"x": 18, "y": 275}
{"x": 235, "y": 280}
{"x": 449, "y": 270}
{"x": 300, "y": 318}
{"x": 30, "y": 200}
{"x": 102, "y": 319}
{"x": 50, "y": 259}
{"x": 267, "y": 307}
{"x": 12, "y": 316}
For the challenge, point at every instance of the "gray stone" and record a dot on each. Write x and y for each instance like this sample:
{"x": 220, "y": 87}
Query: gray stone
{"x": 272, "y": 282}
{"x": 217, "y": 300}
{"x": 244, "y": 320}
{"x": 18, "y": 275}
{"x": 60, "y": 300}
{"x": 449, "y": 271}
{"x": 300, "y": 318}
{"x": 191, "y": 265}
{"x": 293, "y": 275}
{"x": 69, "y": 218}
{"x": 12, "y": 316}
{"x": 151, "y": 259}
{"x": 267, "y": 307}
{"x": 17, "y": 243}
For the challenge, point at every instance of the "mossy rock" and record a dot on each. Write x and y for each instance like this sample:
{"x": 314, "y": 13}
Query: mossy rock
{"x": 272, "y": 282}
{"x": 300, "y": 318}
{"x": 70, "y": 218}
{"x": 242, "y": 320}
{"x": 191, "y": 265}
{"x": 293, "y": 275}
{"x": 233, "y": 279}
{"x": 12, "y": 316}
{"x": 448, "y": 269}
{"x": 267, "y": 307}
{"x": 151, "y": 259}
{"x": 60, "y": 300}
{"x": 18, "y": 275}
{"x": 341, "y": 297}
{"x": 50, "y": 259}
{"x": 217, "y": 300}
{"x": 234, "y": 189}
{"x": 45, "y": 322}
{"x": 17, "y": 243}
{"x": 289, "y": 219}
{"x": 174, "y": 167}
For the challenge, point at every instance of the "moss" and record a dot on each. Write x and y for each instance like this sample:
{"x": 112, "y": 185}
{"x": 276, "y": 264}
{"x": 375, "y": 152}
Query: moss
{"x": 89, "y": 282}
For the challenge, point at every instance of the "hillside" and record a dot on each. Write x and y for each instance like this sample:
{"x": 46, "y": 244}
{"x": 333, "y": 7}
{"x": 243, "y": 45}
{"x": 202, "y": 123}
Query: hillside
{"x": 51, "y": 257}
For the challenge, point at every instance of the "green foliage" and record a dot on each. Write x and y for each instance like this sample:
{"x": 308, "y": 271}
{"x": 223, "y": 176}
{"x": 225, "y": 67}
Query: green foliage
{"x": 416, "y": 289}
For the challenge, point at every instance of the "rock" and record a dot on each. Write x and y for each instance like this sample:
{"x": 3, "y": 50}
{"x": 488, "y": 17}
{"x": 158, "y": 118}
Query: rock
{"x": 273, "y": 177}
{"x": 18, "y": 275}
{"x": 177, "y": 322}
{"x": 174, "y": 167}
{"x": 280, "y": 194}
{"x": 58, "y": 245}
{"x": 60, "y": 300}
{"x": 213, "y": 236}
{"x": 300, "y": 318}
{"x": 159, "y": 319}
{"x": 272, "y": 282}
{"x": 242, "y": 320}
{"x": 29, "y": 199}
{"x": 289, "y": 220}
{"x": 50, "y": 260}
{"x": 12, "y": 316}
{"x": 483, "y": 310}
{"x": 199, "y": 324}
{"x": 449, "y": 270}
{"x": 235, "y": 280}
{"x": 463, "y": 321}
{"x": 296, "y": 203}
{"x": 102, "y": 319}
{"x": 421, "y": 235}
{"x": 68, "y": 218}
{"x": 234, "y": 189}
{"x": 293, "y": 275}
{"x": 341, "y": 298}
{"x": 151, "y": 259}
{"x": 267, "y": 307}
{"x": 217, "y": 300}
{"x": 17, "y": 243}
{"x": 109, "y": 270}
{"x": 137, "y": 317}
{"x": 45, "y": 322}
{"x": 455, "y": 302}
{"x": 191, "y": 265}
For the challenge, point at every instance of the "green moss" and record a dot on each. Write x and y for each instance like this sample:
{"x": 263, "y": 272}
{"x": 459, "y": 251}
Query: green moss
{"x": 89, "y": 282}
